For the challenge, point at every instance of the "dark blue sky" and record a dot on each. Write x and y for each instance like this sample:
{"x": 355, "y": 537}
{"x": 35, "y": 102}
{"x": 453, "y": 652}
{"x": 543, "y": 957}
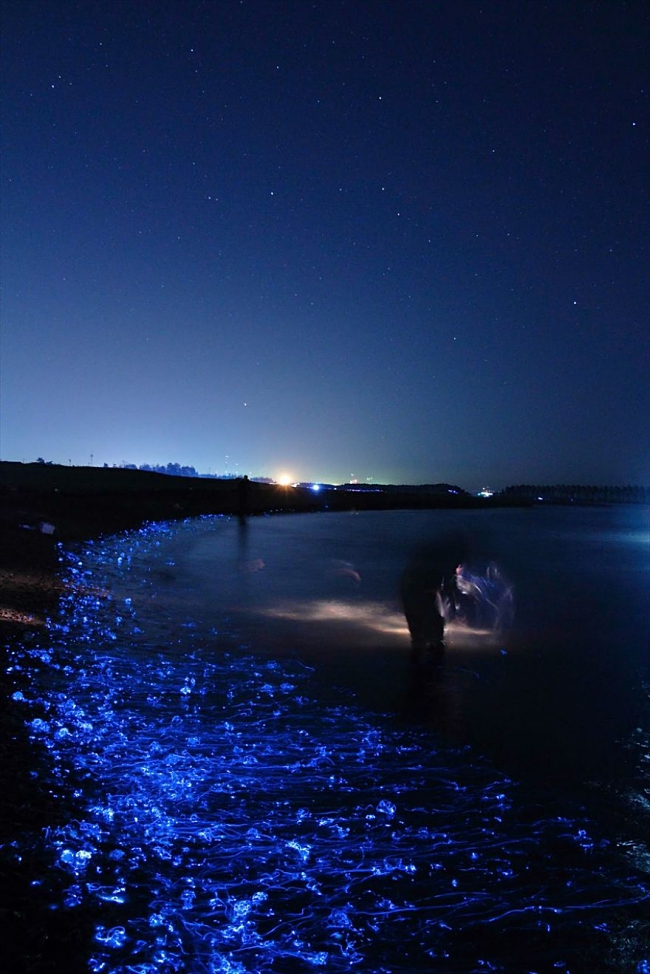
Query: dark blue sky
{"x": 405, "y": 241}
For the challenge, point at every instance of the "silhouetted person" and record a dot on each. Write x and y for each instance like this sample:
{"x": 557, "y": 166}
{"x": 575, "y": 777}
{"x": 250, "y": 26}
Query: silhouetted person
{"x": 243, "y": 485}
{"x": 428, "y": 590}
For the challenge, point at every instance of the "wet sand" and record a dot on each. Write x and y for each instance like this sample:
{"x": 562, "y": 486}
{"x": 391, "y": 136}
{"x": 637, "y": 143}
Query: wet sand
{"x": 34, "y": 936}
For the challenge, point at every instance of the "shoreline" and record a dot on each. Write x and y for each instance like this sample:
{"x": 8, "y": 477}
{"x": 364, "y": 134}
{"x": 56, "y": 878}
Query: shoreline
{"x": 42, "y": 505}
{"x": 40, "y": 938}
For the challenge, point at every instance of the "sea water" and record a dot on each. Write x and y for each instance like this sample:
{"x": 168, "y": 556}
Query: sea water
{"x": 264, "y": 782}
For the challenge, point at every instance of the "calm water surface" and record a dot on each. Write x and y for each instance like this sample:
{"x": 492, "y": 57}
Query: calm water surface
{"x": 270, "y": 785}
{"x": 557, "y": 698}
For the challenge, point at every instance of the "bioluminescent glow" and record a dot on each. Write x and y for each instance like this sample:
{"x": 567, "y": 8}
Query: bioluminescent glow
{"x": 232, "y": 823}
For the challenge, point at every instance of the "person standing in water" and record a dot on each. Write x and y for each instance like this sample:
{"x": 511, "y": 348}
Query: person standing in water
{"x": 429, "y": 594}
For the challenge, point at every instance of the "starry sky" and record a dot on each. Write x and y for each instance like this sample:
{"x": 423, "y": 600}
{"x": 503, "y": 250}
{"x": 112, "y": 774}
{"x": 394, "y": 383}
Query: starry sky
{"x": 403, "y": 241}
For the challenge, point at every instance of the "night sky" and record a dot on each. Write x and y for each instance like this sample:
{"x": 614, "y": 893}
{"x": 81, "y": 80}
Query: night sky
{"x": 398, "y": 241}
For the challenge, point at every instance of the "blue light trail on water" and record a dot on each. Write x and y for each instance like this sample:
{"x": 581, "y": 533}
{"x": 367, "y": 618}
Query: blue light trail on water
{"x": 230, "y": 822}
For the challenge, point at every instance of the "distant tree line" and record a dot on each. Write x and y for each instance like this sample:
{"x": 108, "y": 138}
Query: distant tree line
{"x": 179, "y": 470}
{"x": 172, "y": 469}
{"x": 579, "y": 494}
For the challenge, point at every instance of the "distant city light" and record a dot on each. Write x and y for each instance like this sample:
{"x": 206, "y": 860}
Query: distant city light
{"x": 486, "y": 492}
{"x": 315, "y": 487}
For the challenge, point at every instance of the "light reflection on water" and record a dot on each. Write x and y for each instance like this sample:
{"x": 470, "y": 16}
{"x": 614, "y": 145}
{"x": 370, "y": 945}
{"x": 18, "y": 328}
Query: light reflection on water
{"x": 237, "y": 820}
{"x": 375, "y": 618}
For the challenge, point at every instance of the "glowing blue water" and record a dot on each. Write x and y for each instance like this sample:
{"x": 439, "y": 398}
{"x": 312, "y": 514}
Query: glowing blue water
{"x": 237, "y": 819}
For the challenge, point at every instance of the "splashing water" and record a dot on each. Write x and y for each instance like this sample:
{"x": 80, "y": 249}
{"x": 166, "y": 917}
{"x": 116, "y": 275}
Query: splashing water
{"x": 233, "y": 823}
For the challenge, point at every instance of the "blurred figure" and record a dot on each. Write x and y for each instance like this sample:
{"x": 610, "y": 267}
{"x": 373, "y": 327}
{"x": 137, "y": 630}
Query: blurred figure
{"x": 484, "y": 602}
{"x": 428, "y": 588}
{"x": 345, "y": 569}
